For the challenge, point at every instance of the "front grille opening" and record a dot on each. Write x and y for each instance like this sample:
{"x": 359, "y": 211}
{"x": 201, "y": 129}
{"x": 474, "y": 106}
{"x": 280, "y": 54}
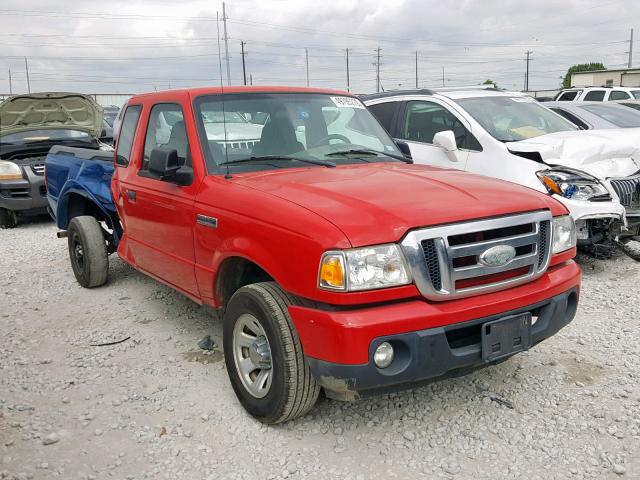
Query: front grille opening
{"x": 496, "y": 233}
{"x": 492, "y": 278}
{"x": 471, "y": 260}
{"x": 15, "y": 193}
{"x": 431, "y": 259}
{"x": 464, "y": 337}
{"x": 544, "y": 239}
{"x": 43, "y": 190}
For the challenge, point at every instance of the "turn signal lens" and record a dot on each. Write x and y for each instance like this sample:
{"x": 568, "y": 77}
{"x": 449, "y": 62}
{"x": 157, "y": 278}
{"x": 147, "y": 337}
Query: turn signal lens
{"x": 332, "y": 271}
{"x": 551, "y": 185}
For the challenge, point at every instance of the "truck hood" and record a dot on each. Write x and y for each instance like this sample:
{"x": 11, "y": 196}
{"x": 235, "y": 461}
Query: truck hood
{"x": 378, "y": 203}
{"x": 37, "y": 111}
{"x": 601, "y": 153}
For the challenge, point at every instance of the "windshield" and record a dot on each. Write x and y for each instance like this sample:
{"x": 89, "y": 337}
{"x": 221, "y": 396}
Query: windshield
{"x": 636, "y": 94}
{"x": 510, "y": 119}
{"x": 296, "y": 125}
{"x": 620, "y": 116}
{"x": 44, "y": 135}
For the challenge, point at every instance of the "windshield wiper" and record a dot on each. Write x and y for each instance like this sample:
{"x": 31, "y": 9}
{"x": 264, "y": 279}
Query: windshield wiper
{"x": 369, "y": 151}
{"x": 279, "y": 157}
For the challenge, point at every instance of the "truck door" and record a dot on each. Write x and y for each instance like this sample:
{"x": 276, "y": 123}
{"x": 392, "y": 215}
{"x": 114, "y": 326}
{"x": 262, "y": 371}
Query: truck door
{"x": 159, "y": 214}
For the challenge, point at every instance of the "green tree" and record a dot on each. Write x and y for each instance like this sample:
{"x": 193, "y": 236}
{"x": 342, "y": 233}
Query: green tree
{"x": 488, "y": 81}
{"x": 581, "y": 67}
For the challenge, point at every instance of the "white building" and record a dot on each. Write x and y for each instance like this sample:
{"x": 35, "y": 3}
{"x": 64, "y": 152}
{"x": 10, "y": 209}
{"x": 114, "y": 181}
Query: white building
{"x": 623, "y": 77}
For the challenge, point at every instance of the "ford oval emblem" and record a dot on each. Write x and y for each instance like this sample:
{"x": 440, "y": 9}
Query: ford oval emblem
{"x": 497, "y": 256}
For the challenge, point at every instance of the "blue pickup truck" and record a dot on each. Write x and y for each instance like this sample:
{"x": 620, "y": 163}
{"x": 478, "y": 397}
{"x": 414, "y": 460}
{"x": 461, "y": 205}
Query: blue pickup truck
{"x": 80, "y": 201}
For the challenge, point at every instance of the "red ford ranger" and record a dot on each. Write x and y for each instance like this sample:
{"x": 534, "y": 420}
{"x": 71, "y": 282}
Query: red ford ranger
{"x": 335, "y": 262}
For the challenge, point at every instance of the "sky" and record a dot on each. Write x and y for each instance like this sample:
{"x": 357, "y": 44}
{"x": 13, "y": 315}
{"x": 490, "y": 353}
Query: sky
{"x": 137, "y": 46}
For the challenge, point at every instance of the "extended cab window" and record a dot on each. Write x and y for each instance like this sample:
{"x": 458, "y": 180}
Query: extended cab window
{"x": 127, "y": 132}
{"x": 166, "y": 130}
{"x": 385, "y": 113}
{"x": 424, "y": 119}
{"x": 594, "y": 96}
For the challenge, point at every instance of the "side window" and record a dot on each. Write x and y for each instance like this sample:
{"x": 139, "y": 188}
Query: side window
{"x": 567, "y": 96}
{"x": 594, "y": 96}
{"x": 572, "y": 118}
{"x": 166, "y": 129}
{"x": 127, "y": 132}
{"x": 385, "y": 113}
{"x": 619, "y": 95}
{"x": 424, "y": 119}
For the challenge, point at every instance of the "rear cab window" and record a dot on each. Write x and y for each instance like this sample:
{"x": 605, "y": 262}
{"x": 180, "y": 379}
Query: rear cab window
{"x": 568, "y": 96}
{"x": 127, "y": 133}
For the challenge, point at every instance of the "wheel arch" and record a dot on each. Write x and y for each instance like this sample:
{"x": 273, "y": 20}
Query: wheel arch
{"x": 235, "y": 272}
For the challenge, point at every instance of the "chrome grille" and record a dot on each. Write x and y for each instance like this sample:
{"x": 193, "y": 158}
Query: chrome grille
{"x": 445, "y": 260}
{"x": 38, "y": 169}
{"x": 628, "y": 190}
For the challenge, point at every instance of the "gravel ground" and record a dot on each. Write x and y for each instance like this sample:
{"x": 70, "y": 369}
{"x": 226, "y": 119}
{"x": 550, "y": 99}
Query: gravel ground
{"x": 157, "y": 407}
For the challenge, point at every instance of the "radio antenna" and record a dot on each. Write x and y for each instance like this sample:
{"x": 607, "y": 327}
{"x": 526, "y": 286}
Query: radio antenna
{"x": 224, "y": 116}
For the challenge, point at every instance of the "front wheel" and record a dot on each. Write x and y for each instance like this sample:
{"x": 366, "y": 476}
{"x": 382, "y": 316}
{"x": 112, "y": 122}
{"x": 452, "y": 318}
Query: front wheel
{"x": 264, "y": 357}
{"x": 88, "y": 251}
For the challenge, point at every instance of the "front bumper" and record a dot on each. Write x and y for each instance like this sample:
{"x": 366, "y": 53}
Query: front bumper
{"x": 27, "y": 194}
{"x": 435, "y": 352}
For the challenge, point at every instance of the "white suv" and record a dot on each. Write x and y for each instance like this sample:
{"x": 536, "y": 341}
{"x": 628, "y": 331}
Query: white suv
{"x": 598, "y": 94}
{"x": 508, "y": 135}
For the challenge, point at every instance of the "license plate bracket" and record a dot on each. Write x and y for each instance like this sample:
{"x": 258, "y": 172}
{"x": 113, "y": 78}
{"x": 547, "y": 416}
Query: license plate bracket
{"x": 506, "y": 336}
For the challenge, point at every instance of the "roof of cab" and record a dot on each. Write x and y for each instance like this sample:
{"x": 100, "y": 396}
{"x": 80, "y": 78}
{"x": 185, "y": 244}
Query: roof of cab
{"x": 452, "y": 92}
{"x": 196, "y": 92}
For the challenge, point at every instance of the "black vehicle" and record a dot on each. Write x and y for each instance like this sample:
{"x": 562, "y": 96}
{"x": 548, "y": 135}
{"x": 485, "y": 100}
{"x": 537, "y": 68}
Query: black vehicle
{"x": 29, "y": 126}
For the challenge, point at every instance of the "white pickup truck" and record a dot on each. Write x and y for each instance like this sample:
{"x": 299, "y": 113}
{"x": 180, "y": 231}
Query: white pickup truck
{"x": 510, "y": 136}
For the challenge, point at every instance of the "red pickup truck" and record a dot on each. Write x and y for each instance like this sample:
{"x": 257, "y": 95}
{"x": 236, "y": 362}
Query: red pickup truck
{"x": 335, "y": 262}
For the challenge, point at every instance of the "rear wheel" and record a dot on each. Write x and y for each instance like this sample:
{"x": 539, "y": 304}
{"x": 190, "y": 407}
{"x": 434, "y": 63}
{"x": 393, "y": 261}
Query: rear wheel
{"x": 7, "y": 219}
{"x": 88, "y": 251}
{"x": 264, "y": 356}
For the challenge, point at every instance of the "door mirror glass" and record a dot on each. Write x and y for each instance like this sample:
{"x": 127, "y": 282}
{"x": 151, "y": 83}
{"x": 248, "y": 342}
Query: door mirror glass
{"x": 447, "y": 141}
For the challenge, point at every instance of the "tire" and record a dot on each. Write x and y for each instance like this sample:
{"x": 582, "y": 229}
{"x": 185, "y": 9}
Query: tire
{"x": 88, "y": 251}
{"x": 292, "y": 391}
{"x": 7, "y": 219}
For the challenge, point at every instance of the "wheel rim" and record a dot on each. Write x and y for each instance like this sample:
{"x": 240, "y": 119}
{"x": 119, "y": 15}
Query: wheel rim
{"x": 252, "y": 355}
{"x": 77, "y": 251}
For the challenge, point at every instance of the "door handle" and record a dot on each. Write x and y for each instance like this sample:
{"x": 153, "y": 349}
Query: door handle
{"x": 131, "y": 194}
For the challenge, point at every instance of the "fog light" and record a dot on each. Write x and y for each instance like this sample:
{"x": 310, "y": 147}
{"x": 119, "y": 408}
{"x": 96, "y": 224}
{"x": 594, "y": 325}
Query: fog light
{"x": 383, "y": 355}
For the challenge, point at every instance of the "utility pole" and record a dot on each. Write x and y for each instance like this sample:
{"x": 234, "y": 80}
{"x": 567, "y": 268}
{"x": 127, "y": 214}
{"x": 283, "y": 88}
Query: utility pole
{"x": 26, "y": 67}
{"x": 631, "y": 49}
{"x": 443, "y": 76}
{"x": 10, "y": 86}
{"x": 226, "y": 42}
{"x": 377, "y": 64}
{"x": 416, "y": 69}
{"x": 251, "y": 79}
{"x": 348, "y": 86}
{"x": 306, "y": 59}
{"x": 244, "y": 70}
{"x": 526, "y": 76}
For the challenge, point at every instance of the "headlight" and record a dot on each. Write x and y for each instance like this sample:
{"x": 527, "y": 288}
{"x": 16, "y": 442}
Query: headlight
{"x": 10, "y": 171}
{"x": 573, "y": 184}
{"x": 363, "y": 268}
{"x": 564, "y": 234}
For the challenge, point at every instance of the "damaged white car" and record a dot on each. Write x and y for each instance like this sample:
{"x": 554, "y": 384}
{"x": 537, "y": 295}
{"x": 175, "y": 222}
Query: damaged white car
{"x": 510, "y": 136}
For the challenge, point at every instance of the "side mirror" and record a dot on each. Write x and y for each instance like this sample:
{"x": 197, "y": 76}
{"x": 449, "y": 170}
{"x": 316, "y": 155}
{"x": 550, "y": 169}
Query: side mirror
{"x": 163, "y": 163}
{"x": 447, "y": 141}
{"x": 404, "y": 148}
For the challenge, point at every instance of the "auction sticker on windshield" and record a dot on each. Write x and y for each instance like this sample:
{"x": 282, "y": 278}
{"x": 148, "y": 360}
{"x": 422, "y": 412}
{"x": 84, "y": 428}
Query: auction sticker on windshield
{"x": 347, "y": 102}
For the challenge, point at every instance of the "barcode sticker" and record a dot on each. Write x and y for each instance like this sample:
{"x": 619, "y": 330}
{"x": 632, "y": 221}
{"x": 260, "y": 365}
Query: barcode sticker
{"x": 348, "y": 102}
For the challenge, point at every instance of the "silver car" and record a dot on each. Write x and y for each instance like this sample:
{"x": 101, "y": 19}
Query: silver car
{"x": 596, "y": 115}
